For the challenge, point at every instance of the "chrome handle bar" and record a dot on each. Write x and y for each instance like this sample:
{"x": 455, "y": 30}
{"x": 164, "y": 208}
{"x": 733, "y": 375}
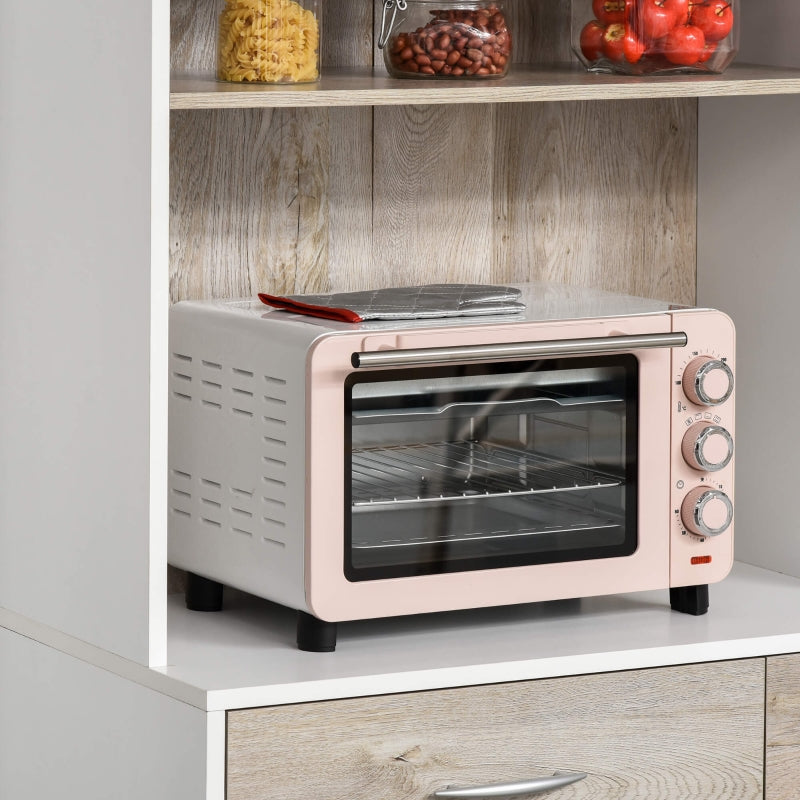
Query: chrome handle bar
{"x": 514, "y": 350}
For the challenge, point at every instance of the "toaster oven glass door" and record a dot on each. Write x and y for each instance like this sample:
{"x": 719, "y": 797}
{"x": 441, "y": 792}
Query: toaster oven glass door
{"x": 491, "y": 465}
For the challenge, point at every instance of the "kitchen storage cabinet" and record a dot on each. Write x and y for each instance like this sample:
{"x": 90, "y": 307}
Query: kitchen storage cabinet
{"x": 356, "y": 180}
{"x": 691, "y": 731}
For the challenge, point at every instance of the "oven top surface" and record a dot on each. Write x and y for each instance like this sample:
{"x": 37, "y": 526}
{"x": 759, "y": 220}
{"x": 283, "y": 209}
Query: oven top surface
{"x": 543, "y": 302}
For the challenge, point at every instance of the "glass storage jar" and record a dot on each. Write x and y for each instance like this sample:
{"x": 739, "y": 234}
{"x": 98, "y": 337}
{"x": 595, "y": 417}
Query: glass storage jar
{"x": 269, "y": 41}
{"x": 647, "y": 37}
{"x": 445, "y": 39}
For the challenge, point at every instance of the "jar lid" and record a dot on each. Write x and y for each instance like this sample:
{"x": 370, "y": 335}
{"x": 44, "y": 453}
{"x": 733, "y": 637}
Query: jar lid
{"x": 394, "y": 6}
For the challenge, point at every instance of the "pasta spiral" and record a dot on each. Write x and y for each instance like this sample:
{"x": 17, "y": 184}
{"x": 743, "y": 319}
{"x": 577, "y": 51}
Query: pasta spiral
{"x": 267, "y": 41}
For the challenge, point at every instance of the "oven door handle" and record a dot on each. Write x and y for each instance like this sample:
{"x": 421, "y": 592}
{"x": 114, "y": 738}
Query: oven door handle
{"x": 514, "y": 350}
{"x": 534, "y": 786}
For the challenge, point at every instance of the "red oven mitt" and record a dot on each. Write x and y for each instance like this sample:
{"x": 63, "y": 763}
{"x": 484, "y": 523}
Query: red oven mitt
{"x": 410, "y": 302}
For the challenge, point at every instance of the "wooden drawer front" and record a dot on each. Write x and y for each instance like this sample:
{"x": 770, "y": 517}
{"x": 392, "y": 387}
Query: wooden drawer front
{"x": 695, "y": 731}
{"x": 783, "y": 728}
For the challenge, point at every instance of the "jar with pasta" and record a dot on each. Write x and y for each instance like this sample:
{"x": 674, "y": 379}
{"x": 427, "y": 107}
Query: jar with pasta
{"x": 269, "y": 41}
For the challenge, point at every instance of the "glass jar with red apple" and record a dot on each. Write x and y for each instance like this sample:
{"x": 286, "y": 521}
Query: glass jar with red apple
{"x": 649, "y": 37}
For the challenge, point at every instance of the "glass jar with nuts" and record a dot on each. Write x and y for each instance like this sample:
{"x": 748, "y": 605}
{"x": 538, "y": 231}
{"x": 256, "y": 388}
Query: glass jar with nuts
{"x": 445, "y": 39}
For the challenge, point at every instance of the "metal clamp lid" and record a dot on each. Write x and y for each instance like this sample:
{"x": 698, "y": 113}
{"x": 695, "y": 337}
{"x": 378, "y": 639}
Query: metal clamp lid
{"x": 393, "y": 6}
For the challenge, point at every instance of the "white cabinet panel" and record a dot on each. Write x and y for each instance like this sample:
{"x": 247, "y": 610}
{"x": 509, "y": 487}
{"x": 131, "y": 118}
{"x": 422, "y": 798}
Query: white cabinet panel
{"x": 72, "y": 731}
{"x": 75, "y": 322}
{"x": 769, "y": 32}
{"x": 748, "y": 245}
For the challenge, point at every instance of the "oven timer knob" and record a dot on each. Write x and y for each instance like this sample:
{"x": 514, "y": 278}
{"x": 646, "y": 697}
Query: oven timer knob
{"x": 708, "y": 381}
{"x": 706, "y": 512}
{"x": 707, "y": 447}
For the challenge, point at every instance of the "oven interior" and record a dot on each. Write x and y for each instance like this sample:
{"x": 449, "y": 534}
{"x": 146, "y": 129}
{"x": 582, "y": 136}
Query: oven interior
{"x": 484, "y": 466}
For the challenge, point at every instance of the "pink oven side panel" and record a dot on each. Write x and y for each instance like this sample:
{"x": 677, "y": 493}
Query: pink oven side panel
{"x": 332, "y": 597}
{"x": 694, "y": 560}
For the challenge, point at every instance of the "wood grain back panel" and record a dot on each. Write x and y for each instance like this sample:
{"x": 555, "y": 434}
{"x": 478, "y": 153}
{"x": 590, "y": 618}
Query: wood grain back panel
{"x": 257, "y": 196}
{"x": 694, "y": 731}
{"x": 432, "y": 178}
{"x": 783, "y": 728}
{"x": 598, "y": 194}
{"x": 269, "y": 198}
{"x": 541, "y": 31}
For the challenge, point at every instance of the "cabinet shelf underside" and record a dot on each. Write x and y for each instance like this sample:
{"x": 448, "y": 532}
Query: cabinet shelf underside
{"x": 527, "y": 83}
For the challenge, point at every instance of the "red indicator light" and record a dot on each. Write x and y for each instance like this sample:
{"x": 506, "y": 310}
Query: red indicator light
{"x": 701, "y": 559}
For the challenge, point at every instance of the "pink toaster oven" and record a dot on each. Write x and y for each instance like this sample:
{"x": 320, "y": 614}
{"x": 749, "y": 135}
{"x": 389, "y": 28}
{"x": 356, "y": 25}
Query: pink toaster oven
{"x": 581, "y": 447}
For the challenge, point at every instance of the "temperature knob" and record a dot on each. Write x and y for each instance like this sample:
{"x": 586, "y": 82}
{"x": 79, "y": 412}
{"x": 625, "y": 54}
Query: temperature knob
{"x": 706, "y": 512}
{"x": 707, "y": 447}
{"x": 708, "y": 381}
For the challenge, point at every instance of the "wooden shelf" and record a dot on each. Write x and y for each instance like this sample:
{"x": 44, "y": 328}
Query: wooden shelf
{"x": 527, "y": 83}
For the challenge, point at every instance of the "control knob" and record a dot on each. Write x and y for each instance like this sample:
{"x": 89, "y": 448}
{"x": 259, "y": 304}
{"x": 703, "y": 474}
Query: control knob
{"x": 707, "y": 447}
{"x": 708, "y": 381}
{"x": 706, "y": 512}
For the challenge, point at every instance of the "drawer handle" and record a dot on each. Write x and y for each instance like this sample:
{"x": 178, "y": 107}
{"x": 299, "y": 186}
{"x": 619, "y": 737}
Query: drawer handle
{"x": 533, "y": 786}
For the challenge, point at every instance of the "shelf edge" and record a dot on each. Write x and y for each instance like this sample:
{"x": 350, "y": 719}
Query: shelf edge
{"x": 360, "y": 88}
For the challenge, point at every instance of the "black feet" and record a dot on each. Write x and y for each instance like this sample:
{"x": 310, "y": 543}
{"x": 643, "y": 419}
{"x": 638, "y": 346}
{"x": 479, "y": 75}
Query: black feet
{"x": 202, "y": 594}
{"x": 689, "y": 599}
{"x": 314, "y": 634}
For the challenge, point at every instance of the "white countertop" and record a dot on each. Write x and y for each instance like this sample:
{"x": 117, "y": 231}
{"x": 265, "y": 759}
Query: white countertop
{"x": 246, "y": 656}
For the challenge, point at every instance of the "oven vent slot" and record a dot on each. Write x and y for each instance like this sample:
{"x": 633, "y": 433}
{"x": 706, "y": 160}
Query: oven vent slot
{"x": 229, "y": 509}
{"x": 433, "y": 472}
{"x": 181, "y": 493}
{"x": 242, "y": 394}
{"x": 220, "y": 388}
{"x": 272, "y": 515}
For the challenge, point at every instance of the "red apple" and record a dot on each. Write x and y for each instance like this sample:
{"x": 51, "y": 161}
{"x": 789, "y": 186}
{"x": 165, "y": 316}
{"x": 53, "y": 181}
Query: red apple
{"x": 654, "y": 19}
{"x": 680, "y": 8}
{"x": 608, "y": 11}
{"x": 592, "y": 40}
{"x": 708, "y": 51}
{"x": 614, "y": 42}
{"x": 714, "y": 18}
{"x": 632, "y": 46}
{"x": 684, "y": 45}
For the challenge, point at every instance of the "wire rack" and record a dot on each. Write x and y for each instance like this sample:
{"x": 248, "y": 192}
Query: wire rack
{"x": 433, "y": 472}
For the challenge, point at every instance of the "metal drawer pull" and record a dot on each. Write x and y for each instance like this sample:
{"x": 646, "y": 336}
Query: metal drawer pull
{"x": 533, "y": 786}
{"x": 497, "y": 352}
